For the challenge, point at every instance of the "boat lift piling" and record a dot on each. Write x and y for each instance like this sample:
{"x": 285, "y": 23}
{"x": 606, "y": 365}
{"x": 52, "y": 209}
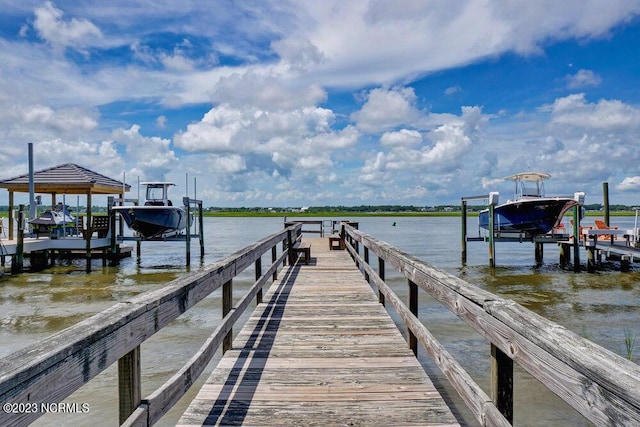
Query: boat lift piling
{"x": 492, "y": 199}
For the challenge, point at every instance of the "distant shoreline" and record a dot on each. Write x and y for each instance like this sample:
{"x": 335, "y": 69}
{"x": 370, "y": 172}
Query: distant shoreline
{"x": 370, "y": 214}
{"x": 330, "y": 214}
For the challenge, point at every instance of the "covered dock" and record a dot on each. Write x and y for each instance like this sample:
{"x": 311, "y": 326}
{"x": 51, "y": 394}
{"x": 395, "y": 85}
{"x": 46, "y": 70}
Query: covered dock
{"x": 62, "y": 180}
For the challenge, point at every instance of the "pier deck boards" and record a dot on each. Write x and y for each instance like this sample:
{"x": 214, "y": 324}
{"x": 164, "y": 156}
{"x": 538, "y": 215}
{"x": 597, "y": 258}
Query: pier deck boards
{"x": 320, "y": 350}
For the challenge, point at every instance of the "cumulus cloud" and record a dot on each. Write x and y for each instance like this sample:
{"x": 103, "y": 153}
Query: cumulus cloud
{"x": 629, "y": 183}
{"x": 152, "y": 156}
{"x": 265, "y": 91}
{"x": 64, "y": 120}
{"x": 404, "y": 137}
{"x": 386, "y": 109}
{"x": 443, "y": 149}
{"x": 574, "y": 110}
{"x": 74, "y": 33}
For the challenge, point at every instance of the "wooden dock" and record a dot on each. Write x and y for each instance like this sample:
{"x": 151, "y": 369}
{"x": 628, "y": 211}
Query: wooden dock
{"x": 320, "y": 350}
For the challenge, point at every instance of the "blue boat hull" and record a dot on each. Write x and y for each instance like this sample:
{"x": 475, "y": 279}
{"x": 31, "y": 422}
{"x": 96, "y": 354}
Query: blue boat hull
{"x": 154, "y": 221}
{"x": 532, "y": 217}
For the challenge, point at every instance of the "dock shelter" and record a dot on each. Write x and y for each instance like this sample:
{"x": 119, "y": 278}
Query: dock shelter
{"x": 66, "y": 179}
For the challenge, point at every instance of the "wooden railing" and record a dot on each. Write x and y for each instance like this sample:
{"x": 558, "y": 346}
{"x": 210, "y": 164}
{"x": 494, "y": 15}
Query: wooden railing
{"x": 602, "y": 386}
{"x": 50, "y": 370}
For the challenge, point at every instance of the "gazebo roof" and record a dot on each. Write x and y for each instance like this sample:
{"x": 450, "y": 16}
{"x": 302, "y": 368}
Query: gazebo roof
{"x": 68, "y": 178}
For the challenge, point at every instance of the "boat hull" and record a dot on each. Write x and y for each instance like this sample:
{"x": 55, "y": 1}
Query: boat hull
{"x": 154, "y": 221}
{"x": 532, "y": 216}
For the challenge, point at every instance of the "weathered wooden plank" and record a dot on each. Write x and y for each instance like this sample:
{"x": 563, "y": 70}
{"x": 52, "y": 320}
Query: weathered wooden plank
{"x": 320, "y": 350}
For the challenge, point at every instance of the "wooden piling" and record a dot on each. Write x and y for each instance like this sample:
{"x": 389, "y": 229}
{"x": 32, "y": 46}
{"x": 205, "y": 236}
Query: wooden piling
{"x": 539, "y": 252}
{"x": 576, "y": 238}
{"x": 605, "y": 197}
{"x": 591, "y": 257}
{"x": 18, "y": 265}
{"x": 492, "y": 247}
{"x": 565, "y": 254}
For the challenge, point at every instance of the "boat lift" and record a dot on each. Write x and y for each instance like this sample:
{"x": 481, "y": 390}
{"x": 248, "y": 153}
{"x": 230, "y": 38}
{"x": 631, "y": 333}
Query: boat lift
{"x": 492, "y": 200}
{"x": 182, "y": 237}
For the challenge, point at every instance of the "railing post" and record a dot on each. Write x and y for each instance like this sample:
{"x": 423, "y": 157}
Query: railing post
{"x": 258, "y": 275}
{"x": 366, "y": 260}
{"x": 129, "y": 387}
{"x": 464, "y": 232}
{"x": 227, "y": 305}
{"x": 381, "y": 274}
{"x": 413, "y": 308}
{"x": 292, "y": 260}
{"x": 274, "y": 257}
{"x": 502, "y": 382}
{"x": 492, "y": 232}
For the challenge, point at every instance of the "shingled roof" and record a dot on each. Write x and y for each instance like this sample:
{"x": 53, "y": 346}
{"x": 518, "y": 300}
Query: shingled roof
{"x": 68, "y": 178}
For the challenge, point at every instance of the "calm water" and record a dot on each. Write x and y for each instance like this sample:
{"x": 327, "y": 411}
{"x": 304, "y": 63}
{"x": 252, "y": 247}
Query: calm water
{"x": 602, "y": 307}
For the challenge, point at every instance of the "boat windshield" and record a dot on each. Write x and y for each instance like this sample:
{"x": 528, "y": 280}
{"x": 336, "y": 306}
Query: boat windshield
{"x": 530, "y": 188}
{"x": 155, "y": 192}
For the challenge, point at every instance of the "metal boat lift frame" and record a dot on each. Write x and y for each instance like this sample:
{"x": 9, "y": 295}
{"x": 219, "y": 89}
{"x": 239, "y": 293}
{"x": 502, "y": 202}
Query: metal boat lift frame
{"x": 492, "y": 237}
{"x": 186, "y": 237}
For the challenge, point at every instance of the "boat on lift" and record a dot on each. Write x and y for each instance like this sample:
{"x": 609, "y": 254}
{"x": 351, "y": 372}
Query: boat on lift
{"x": 530, "y": 211}
{"x": 158, "y": 217}
{"x": 56, "y": 222}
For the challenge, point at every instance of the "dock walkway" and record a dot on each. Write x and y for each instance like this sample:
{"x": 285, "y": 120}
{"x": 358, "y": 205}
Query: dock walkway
{"x": 320, "y": 350}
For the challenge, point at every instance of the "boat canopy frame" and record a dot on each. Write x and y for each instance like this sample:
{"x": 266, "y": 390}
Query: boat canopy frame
{"x": 523, "y": 184}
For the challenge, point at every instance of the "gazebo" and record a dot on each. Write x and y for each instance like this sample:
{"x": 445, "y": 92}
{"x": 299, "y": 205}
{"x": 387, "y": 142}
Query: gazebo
{"x": 68, "y": 178}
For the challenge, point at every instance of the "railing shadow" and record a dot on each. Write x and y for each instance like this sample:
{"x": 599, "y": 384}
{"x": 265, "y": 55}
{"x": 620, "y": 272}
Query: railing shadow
{"x": 238, "y": 391}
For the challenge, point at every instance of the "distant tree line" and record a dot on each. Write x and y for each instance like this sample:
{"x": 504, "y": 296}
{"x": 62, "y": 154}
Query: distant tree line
{"x": 594, "y": 207}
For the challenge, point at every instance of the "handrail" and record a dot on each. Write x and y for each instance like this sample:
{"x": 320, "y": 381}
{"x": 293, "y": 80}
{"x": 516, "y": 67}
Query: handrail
{"x": 602, "y": 386}
{"x": 52, "y": 369}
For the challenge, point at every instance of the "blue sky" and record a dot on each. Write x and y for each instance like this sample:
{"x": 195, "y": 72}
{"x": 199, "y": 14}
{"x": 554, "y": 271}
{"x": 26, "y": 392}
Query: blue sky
{"x": 307, "y": 103}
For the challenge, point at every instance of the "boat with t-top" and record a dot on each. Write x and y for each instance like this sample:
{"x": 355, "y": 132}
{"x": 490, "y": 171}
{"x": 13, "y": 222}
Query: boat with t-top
{"x": 530, "y": 212}
{"x": 158, "y": 217}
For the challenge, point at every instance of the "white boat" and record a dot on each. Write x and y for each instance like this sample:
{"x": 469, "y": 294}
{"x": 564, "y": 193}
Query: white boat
{"x": 530, "y": 211}
{"x": 157, "y": 217}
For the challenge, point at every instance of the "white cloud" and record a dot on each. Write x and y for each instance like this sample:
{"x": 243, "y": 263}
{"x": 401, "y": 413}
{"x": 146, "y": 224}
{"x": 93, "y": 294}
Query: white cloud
{"x": 65, "y": 120}
{"x": 386, "y": 109}
{"x": 452, "y": 90}
{"x": 629, "y": 183}
{"x": 152, "y": 156}
{"x": 74, "y": 33}
{"x": 404, "y": 137}
{"x": 575, "y": 111}
{"x": 583, "y": 78}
